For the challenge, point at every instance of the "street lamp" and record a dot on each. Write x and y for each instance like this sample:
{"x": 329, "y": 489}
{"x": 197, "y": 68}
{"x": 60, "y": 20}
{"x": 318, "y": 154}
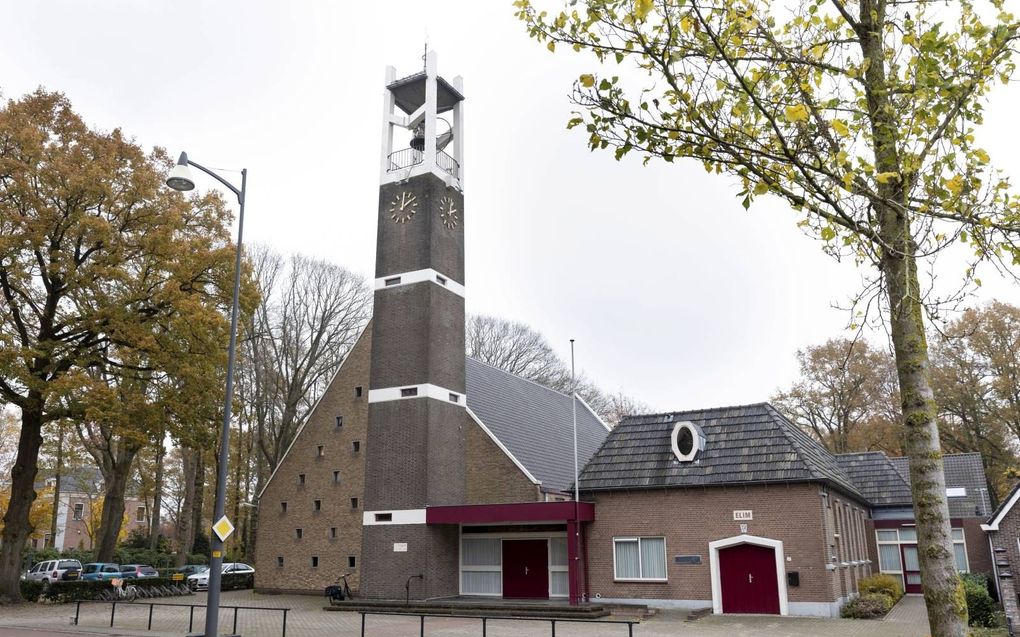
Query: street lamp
{"x": 180, "y": 179}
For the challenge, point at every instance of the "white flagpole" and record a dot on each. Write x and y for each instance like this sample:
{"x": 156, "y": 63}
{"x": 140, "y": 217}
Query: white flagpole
{"x": 577, "y": 485}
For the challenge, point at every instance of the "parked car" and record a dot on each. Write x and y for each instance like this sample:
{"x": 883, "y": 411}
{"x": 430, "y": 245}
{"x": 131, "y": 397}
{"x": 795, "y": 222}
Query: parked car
{"x": 235, "y": 575}
{"x": 101, "y": 571}
{"x": 52, "y": 571}
{"x": 181, "y": 573}
{"x": 129, "y": 571}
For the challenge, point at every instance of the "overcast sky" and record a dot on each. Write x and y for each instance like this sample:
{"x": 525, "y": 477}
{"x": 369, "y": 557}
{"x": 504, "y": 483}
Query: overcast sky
{"x": 674, "y": 293}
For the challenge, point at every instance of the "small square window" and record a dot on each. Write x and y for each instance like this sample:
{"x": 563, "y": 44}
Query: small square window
{"x": 301, "y": 478}
{"x": 317, "y": 505}
{"x": 351, "y": 562}
{"x": 336, "y": 477}
{"x": 332, "y": 532}
{"x": 339, "y": 421}
{"x": 315, "y": 561}
{"x": 321, "y": 451}
{"x": 354, "y": 503}
{"x": 383, "y": 517}
{"x": 358, "y": 391}
{"x": 407, "y": 392}
{"x": 454, "y": 398}
{"x": 356, "y": 445}
{"x": 441, "y": 280}
{"x": 298, "y": 533}
{"x": 279, "y": 561}
{"x": 283, "y": 507}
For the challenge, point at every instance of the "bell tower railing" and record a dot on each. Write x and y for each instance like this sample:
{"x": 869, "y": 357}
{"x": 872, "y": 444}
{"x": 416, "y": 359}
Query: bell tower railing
{"x": 410, "y": 157}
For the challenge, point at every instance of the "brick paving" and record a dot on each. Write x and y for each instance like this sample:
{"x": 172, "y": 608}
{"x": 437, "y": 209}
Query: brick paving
{"x": 307, "y": 619}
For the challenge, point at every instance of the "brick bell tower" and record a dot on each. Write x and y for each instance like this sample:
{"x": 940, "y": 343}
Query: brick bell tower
{"x": 416, "y": 413}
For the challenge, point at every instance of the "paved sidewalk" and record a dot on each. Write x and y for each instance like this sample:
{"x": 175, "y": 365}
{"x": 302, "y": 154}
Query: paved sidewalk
{"x": 307, "y": 619}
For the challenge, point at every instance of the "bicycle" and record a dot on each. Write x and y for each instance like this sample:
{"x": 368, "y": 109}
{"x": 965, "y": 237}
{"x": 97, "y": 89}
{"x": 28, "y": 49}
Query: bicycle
{"x": 339, "y": 590}
{"x": 121, "y": 593}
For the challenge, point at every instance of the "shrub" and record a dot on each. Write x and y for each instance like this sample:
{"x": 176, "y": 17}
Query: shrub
{"x": 980, "y": 606}
{"x": 198, "y": 558}
{"x": 75, "y": 591}
{"x": 868, "y": 606}
{"x": 31, "y": 590}
{"x": 887, "y": 585}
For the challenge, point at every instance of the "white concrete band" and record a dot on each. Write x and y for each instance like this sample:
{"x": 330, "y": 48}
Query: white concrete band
{"x": 420, "y": 276}
{"x": 383, "y": 518}
{"x": 409, "y": 392}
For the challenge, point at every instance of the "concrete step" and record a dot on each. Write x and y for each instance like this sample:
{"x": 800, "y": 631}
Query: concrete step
{"x": 478, "y": 610}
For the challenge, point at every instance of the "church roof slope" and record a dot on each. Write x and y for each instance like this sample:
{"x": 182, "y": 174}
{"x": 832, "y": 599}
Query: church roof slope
{"x": 744, "y": 444}
{"x": 875, "y": 477}
{"x": 533, "y": 422}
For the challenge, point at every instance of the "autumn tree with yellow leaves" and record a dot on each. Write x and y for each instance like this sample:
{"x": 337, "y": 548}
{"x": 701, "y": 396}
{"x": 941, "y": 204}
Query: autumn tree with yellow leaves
{"x": 860, "y": 114}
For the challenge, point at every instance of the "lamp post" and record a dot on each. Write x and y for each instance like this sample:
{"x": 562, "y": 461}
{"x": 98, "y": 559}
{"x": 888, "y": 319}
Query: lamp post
{"x": 181, "y": 179}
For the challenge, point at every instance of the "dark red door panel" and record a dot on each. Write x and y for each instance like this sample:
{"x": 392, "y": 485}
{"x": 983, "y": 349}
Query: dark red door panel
{"x": 526, "y": 569}
{"x": 748, "y": 578}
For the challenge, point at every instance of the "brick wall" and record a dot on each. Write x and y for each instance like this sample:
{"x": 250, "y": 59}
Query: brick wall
{"x": 277, "y": 529}
{"x": 492, "y": 478}
{"x": 797, "y": 514}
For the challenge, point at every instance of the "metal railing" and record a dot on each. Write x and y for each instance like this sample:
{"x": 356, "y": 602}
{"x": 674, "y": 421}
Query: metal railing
{"x": 485, "y": 621}
{"x": 409, "y": 157}
{"x": 191, "y": 614}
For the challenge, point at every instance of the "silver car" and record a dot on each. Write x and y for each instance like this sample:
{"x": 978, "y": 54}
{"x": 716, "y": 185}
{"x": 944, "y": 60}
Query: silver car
{"x": 52, "y": 571}
{"x": 200, "y": 581}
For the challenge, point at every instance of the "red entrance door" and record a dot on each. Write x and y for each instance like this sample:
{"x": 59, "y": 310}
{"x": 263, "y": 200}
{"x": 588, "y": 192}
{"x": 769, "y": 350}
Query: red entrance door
{"x": 911, "y": 569}
{"x": 748, "y": 578}
{"x": 526, "y": 569}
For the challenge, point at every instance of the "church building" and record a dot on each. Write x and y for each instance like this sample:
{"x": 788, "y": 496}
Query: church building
{"x": 427, "y": 473}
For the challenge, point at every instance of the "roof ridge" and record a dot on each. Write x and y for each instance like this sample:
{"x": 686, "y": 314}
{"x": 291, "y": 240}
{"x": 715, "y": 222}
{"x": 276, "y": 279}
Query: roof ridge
{"x": 694, "y": 411}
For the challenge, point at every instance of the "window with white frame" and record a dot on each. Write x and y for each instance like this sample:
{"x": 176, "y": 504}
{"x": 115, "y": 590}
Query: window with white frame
{"x": 889, "y": 556}
{"x": 481, "y": 567}
{"x": 639, "y": 558}
{"x": 559, "y": 583}
{"x": 140, "y": 514}
{"x": 960, "y": 551}
{"x": 79, "y": 510}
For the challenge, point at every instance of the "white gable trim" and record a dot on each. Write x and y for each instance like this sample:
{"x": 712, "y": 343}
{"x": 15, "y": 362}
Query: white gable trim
{"x": 993, "y": 525}
{"x": 311, "y": 412}
{"x": 499, "y": 444}
{"x": 593, "y": 413}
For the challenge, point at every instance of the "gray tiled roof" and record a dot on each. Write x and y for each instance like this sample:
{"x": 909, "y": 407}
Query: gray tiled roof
{"x": 876, "y": 477}
{"x": 963, "y": 470}
{"x": 533, "y": 422}
{"x": 751, "y": 443}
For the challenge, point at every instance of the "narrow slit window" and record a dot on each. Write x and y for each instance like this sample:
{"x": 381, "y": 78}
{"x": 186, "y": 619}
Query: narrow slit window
{"x": 339, "y": 421}
{"x": 358, "y": 391}
{"x": 279, "y": 561}
{"x": 356, "y": 445}
{"x": 336, "y": 477}
{"x": 441, "y": 280}
{"x": 301, "y": 478}
{"x": 354, "y": 503}
{"x": 283, "y": 507}
{"x": 298, "y": 533}
{"x": 408, "y": 392}
{"x": 351, "y": 561}
{"x": 317, "y": 505}
{"x": 393, "y": 281}
{"x": 383, "y": 517}
{"x": 332, "y": 532}
{"x": 315, "y": 561}
{"x": 321, "y": 451}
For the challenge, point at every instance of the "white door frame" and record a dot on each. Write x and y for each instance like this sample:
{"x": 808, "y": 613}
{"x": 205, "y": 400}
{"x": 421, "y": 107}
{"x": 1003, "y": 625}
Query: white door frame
{"x": 713, "y": 558}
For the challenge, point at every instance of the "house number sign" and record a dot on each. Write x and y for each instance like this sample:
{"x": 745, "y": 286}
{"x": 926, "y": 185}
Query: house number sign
{"x": 743, "y": 515}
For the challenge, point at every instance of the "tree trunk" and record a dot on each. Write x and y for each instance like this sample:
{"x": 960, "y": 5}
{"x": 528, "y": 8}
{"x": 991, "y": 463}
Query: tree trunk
{"x": 56, "y": 485}
{"x": 197, "y": 512}
{"x": 185, "y": 520}
{"x": 943, "y": 590}
{"x": 157, "y": 496}
{"x": 115, "y": 486}
{"x": 17, "y": 526}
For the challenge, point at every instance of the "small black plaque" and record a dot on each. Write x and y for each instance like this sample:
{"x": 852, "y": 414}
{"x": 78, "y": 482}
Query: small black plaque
{"x": 687, "y": 559}
{"x": 793, "y": 578}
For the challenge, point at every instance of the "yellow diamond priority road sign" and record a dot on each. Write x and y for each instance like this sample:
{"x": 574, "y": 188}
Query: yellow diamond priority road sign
{"x": 223, "y": 528}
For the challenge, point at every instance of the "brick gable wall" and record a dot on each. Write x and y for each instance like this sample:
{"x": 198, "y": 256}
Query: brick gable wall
{"x": 276, "y": 532}
{"x": 492, "y": 477}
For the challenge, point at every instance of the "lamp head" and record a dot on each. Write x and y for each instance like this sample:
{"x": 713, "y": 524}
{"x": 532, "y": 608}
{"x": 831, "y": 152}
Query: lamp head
{"x": 180, "y": 178}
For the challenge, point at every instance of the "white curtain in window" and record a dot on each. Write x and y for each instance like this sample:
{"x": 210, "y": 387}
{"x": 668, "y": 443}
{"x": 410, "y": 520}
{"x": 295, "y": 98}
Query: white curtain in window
{"x": 482, "y": 582}
{"x": 887, "y": 536}
{"x": 558, "y": 583}
{"x": 482, "y": 552}
{"x": 653, "y": 558}
{"x": 960, "y": 552}
{"x": 889, "y": 557}
{"x": 557, "y": 551}
{"x": 627, "y": 560}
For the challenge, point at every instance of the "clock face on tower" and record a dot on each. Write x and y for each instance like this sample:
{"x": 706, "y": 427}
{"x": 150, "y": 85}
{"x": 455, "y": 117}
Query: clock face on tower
{"x": 403, "y": 207}
{"x": 448, "y": 212}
